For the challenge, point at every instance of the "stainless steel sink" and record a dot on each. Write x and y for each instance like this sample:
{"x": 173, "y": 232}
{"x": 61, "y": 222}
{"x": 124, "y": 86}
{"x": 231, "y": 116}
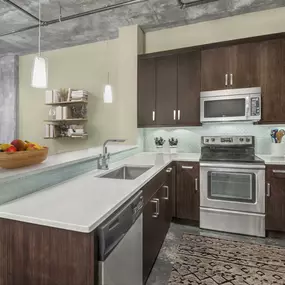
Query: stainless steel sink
{"x": 127, "y": 172}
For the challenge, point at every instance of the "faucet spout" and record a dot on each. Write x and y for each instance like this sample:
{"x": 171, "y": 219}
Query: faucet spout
{"x": 105, "y": 156}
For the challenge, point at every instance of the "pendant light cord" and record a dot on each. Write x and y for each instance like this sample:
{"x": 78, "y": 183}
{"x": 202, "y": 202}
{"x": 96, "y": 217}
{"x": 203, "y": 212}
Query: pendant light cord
{"x": 40, "y": 27}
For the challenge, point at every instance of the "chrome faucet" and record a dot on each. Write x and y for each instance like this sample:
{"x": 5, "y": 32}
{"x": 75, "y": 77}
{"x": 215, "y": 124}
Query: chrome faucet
{"x": 104, "y": 159}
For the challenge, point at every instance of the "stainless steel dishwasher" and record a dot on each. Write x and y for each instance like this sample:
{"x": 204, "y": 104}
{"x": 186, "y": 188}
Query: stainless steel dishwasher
{"x": 120, "y": 245}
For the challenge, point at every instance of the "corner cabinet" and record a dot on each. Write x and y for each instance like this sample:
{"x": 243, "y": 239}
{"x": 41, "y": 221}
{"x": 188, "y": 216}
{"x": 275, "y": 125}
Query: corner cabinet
{"x": 275, "y": 198}
{"x": 169, "y": 90}
{"x": 157, "y": 215}
{"x": 187, "y": 191}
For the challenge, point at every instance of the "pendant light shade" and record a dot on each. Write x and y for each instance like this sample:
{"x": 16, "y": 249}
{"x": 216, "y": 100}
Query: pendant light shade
{"x": 40, "y": 73}
{"x": 40, "y": 68}
{"x": 108, "y": 94}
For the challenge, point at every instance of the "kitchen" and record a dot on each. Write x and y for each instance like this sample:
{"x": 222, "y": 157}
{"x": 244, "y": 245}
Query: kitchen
{"x": 72, "y": 220}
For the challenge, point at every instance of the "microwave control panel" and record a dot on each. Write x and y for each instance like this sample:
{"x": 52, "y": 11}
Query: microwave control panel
{"x": 255, "y": 106}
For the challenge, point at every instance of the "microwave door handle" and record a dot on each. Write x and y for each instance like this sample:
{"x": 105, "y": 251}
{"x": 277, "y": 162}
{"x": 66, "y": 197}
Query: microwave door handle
{"x": 247, "y": 109}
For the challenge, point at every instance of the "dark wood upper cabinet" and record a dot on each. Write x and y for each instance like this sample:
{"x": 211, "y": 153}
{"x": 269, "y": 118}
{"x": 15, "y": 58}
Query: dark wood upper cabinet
{"x": 188, "y": 99}
{"x": 187, "y": 192}
{"x": 215, "y": 69}
{"x": 244, "y": 65}
{"x": 146, "y": 92}
{"x": 275, "y": 198}
{"x": 166, "y": 90}
{"x": 272, "y": 73}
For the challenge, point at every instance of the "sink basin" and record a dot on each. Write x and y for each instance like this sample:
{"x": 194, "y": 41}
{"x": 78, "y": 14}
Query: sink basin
{"x": 127, "y": 172}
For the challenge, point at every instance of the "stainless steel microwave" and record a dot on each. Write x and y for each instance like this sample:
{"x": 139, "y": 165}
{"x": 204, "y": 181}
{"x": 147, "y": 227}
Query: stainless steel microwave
{"x": 231, "y": 105}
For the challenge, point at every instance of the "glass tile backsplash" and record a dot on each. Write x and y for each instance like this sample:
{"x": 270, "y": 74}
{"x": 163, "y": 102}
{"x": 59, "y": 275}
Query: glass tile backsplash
{"x": 190, "y": 137}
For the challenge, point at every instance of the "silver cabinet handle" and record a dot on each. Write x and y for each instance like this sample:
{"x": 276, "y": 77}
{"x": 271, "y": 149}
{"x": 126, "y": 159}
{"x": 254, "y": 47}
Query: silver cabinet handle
{"x": 196, "y": 184}
{"x": 231, "y": 79}
{"x": 187, "y": 167}
{"x": 156, "y": 202}
{"x": 226, "y": 79}
{"x": 178, "y": 115}
{"x": 279, "y": 171}
{"x": 168, "y": 170}
{"x": 174, "y": 115}
{"x": 268, "y": 190}
{"x": 153, "y": 115}
{"x": 167, "y": 193}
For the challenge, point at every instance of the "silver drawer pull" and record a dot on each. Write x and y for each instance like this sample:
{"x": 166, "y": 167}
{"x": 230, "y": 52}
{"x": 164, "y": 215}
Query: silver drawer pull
{"x": 268, "y": 194}
{"x": 153, "y": 115}
{"x": 226, "y": 79}
{"x": 196, "y": 184}
{"x": 231, "y": 79}
{"x": 178, "y": 115}
{"x": 167, "y": 193}
{"x": 174, "y": 115}
{"x": 279, "y": 171}
{"x": 156, "y": 202}
{"x": 168, "y": 170}
{"x": 187, "y": 167}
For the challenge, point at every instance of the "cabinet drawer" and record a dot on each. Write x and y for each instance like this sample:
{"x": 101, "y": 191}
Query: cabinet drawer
{"x": 275, "y": 171}
{"x": 153, "y": 185}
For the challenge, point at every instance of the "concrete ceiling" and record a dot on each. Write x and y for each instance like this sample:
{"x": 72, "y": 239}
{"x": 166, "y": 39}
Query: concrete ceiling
{"x": 150, "y": 15}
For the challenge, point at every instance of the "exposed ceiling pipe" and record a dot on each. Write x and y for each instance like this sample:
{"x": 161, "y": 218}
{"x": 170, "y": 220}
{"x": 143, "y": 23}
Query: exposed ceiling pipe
{"x": 75, "y": 16}
{"x": 21, "y": 9}
{"x": 184, "y": 5}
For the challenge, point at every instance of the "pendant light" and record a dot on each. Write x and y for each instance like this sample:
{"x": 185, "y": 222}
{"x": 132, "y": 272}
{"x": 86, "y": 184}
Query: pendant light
{"x": 108, "y": 92}
{"x": 40, "y": 68}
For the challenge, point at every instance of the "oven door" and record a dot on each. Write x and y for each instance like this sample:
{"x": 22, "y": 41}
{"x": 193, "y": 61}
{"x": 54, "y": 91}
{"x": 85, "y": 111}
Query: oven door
{"x": 237, "y": 187}
{"x": 224, "y": 108}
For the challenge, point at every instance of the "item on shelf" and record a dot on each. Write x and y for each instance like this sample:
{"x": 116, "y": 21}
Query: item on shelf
{"x": 49, "y": 97}
{"x": 75, "y": 130}
{"x": 63, "y": 94}
{"x": 56, "y": 96}
{"x": 58, "y": 113}
{"x": 52, "y": 113}
{"x": 51, "y": 131}
{"x": 47, "y": 131}
{"x": 79, "y": 111}
{"x": 65, "y": 113}
{"x": 79, "y": 95}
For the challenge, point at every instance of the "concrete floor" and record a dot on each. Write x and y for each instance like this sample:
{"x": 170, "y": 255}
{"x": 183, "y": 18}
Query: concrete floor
{"x": 161, "y": 271}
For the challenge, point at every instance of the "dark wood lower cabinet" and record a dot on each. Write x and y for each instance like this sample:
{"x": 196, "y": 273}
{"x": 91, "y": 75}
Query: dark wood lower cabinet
{"x": 275, "y": 198}
{"x": 187, "y": 191}
{"x": 157, "y": 216}
{"x": 39, "y": 255}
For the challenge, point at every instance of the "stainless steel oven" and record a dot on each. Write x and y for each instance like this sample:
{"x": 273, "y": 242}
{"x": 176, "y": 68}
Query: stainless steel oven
{"x": 231, "y": 105}
{"x": 232, "y": 186}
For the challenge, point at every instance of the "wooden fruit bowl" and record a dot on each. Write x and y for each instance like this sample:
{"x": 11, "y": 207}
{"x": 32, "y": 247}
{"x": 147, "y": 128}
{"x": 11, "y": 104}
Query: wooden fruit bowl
{"x": 11, "y": 160}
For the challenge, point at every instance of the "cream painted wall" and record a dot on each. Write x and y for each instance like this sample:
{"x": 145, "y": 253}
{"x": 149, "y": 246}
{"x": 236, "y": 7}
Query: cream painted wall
{"x": 242, "y": 26}
{"x": 83, "y": 67}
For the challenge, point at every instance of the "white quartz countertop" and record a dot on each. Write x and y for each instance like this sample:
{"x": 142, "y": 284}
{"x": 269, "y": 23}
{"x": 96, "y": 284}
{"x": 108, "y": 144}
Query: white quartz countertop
{"x": 83, "y": 203}
{"x": 62, "y": 159}
{"x": 272, "y": 160}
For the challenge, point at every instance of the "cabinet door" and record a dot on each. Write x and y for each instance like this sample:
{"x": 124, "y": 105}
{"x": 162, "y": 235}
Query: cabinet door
{"x": 244, "y": 65}
{"x": 189, "y": 78}
{"x": 146, "y": 92}
{"x": 214, "y": 67}
{"x": 275, "y": 198}
{"x": 272, "y": 72}
{"x": 151, "y": 233}
{"x": 187, "y": 194}
{"x": 166, "y": 90}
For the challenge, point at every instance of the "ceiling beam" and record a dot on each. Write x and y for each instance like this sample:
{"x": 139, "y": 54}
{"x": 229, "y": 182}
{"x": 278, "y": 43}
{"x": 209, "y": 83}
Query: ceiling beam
{"x": 75, "y": 16}
{"x": 21, "y": 10}
{"x": 184, "y": 5}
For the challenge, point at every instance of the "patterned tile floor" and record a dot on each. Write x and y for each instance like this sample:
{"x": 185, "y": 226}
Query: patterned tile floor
{"x": 163, "y": 266}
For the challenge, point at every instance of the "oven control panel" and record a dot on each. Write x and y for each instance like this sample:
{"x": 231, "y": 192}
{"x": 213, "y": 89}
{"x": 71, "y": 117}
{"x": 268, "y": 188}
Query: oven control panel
{"x": 228, "y": 140}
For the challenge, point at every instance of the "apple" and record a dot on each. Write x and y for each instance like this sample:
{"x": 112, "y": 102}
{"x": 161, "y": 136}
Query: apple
{"x": 11, "y": 149}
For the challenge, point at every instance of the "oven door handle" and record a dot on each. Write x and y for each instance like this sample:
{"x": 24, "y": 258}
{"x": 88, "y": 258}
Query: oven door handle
{"x": 232, "y": 165}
